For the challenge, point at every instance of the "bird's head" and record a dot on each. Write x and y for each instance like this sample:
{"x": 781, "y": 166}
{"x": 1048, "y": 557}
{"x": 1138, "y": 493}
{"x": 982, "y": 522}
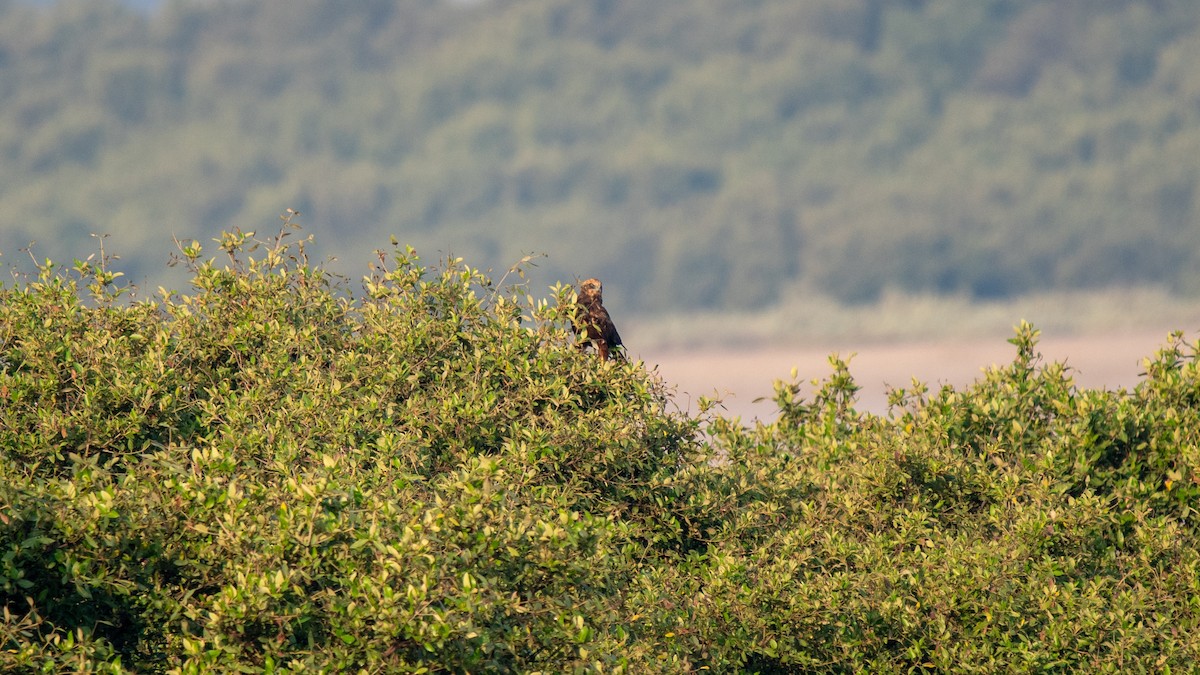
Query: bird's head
{"x": 590, "y": 290}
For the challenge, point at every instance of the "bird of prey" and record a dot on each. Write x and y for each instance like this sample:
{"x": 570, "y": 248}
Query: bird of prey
{"x": 593, "y": 321}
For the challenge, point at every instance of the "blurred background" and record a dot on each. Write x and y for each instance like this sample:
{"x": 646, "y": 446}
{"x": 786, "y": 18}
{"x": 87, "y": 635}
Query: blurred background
{"x": 746, "y": 176}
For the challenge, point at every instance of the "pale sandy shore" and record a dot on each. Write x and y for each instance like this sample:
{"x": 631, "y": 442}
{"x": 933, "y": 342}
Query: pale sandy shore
{"x": 738, "y": 376}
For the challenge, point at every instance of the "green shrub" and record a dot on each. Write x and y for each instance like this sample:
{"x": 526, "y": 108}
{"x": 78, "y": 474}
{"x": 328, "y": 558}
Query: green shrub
{"x": 273, "y": 473}
{"x": 1018, "y": 524}
{"x": 270, "y": 473}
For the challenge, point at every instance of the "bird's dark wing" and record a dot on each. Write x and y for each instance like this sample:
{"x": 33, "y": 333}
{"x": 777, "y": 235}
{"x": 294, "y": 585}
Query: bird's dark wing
{"x": 612, "y": 336}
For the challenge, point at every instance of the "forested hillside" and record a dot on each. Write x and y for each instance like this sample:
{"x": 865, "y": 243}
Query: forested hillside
{"x": 707, "y": 153}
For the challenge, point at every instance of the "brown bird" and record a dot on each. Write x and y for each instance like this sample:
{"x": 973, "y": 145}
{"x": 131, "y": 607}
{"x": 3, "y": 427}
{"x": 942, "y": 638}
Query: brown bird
{"x": 592, "y": 320}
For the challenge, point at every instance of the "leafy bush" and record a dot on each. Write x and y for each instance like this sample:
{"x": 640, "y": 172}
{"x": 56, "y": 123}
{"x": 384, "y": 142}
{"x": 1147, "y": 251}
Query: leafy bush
{"x": 267, "y": 473}
{"x": 1019, "y": 524}
{"x": 272, "y": 473}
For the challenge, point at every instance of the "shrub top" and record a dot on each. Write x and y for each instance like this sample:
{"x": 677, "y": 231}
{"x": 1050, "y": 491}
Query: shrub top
{"x": 271, "y": 472}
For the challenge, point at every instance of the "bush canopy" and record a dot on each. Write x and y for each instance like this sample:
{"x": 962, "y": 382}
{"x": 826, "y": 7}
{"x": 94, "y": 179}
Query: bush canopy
{"x": 271, "y": 473}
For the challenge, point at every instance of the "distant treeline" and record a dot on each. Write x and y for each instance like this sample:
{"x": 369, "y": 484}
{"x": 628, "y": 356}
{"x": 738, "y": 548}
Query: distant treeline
{"x": 707, "y": 153}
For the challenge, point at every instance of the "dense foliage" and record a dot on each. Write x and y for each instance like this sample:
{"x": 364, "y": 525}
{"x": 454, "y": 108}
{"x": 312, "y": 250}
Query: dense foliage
{"x": 272, "y": 473}
{"x": 706, "y": 152}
